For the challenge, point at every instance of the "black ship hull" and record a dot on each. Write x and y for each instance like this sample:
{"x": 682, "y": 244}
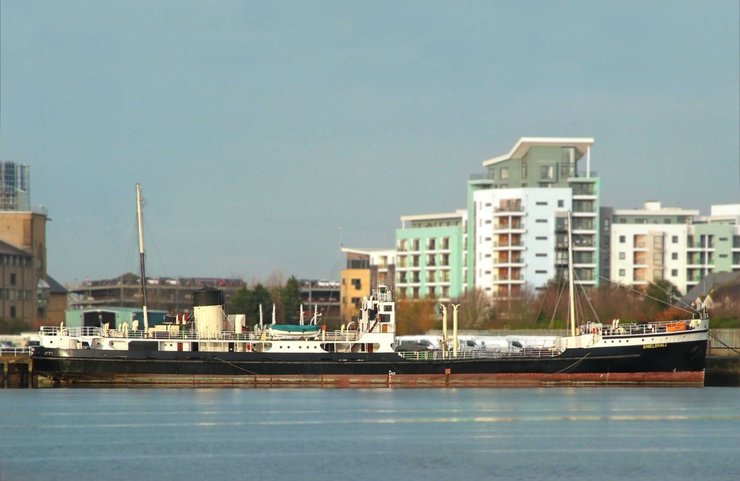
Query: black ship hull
{"x": 679, "y": 363}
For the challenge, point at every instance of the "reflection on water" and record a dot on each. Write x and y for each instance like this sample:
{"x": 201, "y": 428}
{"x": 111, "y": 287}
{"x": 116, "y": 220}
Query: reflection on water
{"x": 438, "y": 434}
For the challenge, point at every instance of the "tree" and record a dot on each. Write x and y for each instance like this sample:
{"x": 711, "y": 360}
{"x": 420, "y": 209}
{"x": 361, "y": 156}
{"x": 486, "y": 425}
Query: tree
{"x": 291, "y": 299}
{"x": 522, "y": 309}
{"x": 239, "y": 301}
{"x": 415, "y": 316}
{"x": 261, "y": 297}
{"x": 476, "y": 310}
{"x": 660, "y": 295}
{"x": 246, "y": 301}
{"x": 13, "y": 326}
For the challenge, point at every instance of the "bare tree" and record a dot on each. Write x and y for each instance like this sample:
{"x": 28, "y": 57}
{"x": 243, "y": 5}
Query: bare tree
{"x": 476, "y": 310}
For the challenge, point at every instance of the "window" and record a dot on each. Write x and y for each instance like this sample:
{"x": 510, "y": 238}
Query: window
{"x": 674, "y": 272}
{"x": 622, "y": 256}
{"x": 524, "y": 169}
{"x": 357, "y": 284}
{"x": 621, "y": 272}
{"x": 540, "y": 272}
{"x": 561, "y": 203}
{"x": 541, "y": 221}
{"x": 547, "y": 172}
{"x": 12, "y": 282}
{"x": 540, "y": 238}
{"x": 674, "y": 239}
{"x": 541, "y": 203}
{"x": 504, "y": 173}
{"x": 622, "y": 239}
{"x": 540, "y": 254}
{"x": 674, "y": 256}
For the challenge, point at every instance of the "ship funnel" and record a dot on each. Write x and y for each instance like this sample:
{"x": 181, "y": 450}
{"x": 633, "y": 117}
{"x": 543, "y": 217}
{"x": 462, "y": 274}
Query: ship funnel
{"x": 208, "y": 310}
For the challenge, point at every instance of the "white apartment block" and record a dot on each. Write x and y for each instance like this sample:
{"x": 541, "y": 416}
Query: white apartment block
{"x": 660, "y": 243}
{"x": 517, "y": 238}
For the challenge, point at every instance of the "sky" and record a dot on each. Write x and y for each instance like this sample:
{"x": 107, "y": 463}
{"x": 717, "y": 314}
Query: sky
{"x": 267, "y": 134}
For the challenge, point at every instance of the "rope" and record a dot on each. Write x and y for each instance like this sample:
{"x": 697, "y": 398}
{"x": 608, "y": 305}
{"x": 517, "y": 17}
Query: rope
{"x": 721, "y": 342}
{"x": 568, "y": 368}
{"x": 234, "y": 365}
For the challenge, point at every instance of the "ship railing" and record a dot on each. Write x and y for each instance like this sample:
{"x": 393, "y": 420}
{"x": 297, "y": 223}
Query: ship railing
{"x": 77, "y": 331}
{"x": 479, "y": 354}
{"x": 342, "y": 336}
{"x": 183, "y": 335}
{"x": 644, "y": 328}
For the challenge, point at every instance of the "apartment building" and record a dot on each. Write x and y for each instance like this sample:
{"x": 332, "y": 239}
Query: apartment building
{"x": 365, "y": 269}
{"x": 27, "y": 292}
{"x": 516, "y": 234}
{"x": 512, "y": 235}
{"x": 15, "y": 192}
{"x": 678, "y": 245}
{"x": 429, "y": 255}
{"x": 168, "y": 294}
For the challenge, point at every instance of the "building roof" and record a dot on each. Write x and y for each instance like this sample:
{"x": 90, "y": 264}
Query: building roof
{"x": 655, "y": 208}
{"x": 423, "y": 217}
{"x": 525, "y": 143}
{"x": 710, "y": 282}
{"x": 367, "y": 251}
{"x": 11, "y": 250}
{"x": 54, "y": 286}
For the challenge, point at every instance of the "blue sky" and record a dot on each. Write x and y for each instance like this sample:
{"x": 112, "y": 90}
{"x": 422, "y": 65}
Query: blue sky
{"x": 264, "y": 133}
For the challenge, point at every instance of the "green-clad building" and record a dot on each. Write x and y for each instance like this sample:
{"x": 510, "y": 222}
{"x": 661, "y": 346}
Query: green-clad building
{"x": 429, "y": 255}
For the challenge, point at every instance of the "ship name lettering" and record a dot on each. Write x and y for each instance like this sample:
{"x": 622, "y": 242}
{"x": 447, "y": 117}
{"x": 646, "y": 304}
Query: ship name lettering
{"x": 654, "y": 346}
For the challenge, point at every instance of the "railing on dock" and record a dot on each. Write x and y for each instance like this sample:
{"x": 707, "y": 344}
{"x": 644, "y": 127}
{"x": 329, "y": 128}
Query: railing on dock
{"x": 16, "y": 351}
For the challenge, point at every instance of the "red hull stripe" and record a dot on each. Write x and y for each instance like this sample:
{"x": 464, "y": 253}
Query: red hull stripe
{"x": 686, "y": 378}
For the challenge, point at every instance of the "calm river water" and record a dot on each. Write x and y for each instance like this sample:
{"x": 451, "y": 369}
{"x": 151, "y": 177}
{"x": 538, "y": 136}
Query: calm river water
{"x": 380, "y": 434}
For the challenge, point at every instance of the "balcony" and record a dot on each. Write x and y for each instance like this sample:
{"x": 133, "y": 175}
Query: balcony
{"x": 508, "y": 279}
{"x": 514, "y": 208}
{"x": 510, "y": 245}
{"x": 583, "y": 189}
{"x": 509, "y": 228}
{"x": 509, "y": 263}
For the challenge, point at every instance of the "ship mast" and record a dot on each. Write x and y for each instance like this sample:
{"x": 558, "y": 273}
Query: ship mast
{"x": 140, "y": 219}
{"x": 571, "y": 283}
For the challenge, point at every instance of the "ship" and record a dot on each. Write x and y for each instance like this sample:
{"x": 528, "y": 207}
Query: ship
{"x": 211, "y": 348}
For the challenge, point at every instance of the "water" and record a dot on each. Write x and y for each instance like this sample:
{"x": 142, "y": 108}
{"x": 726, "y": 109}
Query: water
{"x": 380, "y": 434}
